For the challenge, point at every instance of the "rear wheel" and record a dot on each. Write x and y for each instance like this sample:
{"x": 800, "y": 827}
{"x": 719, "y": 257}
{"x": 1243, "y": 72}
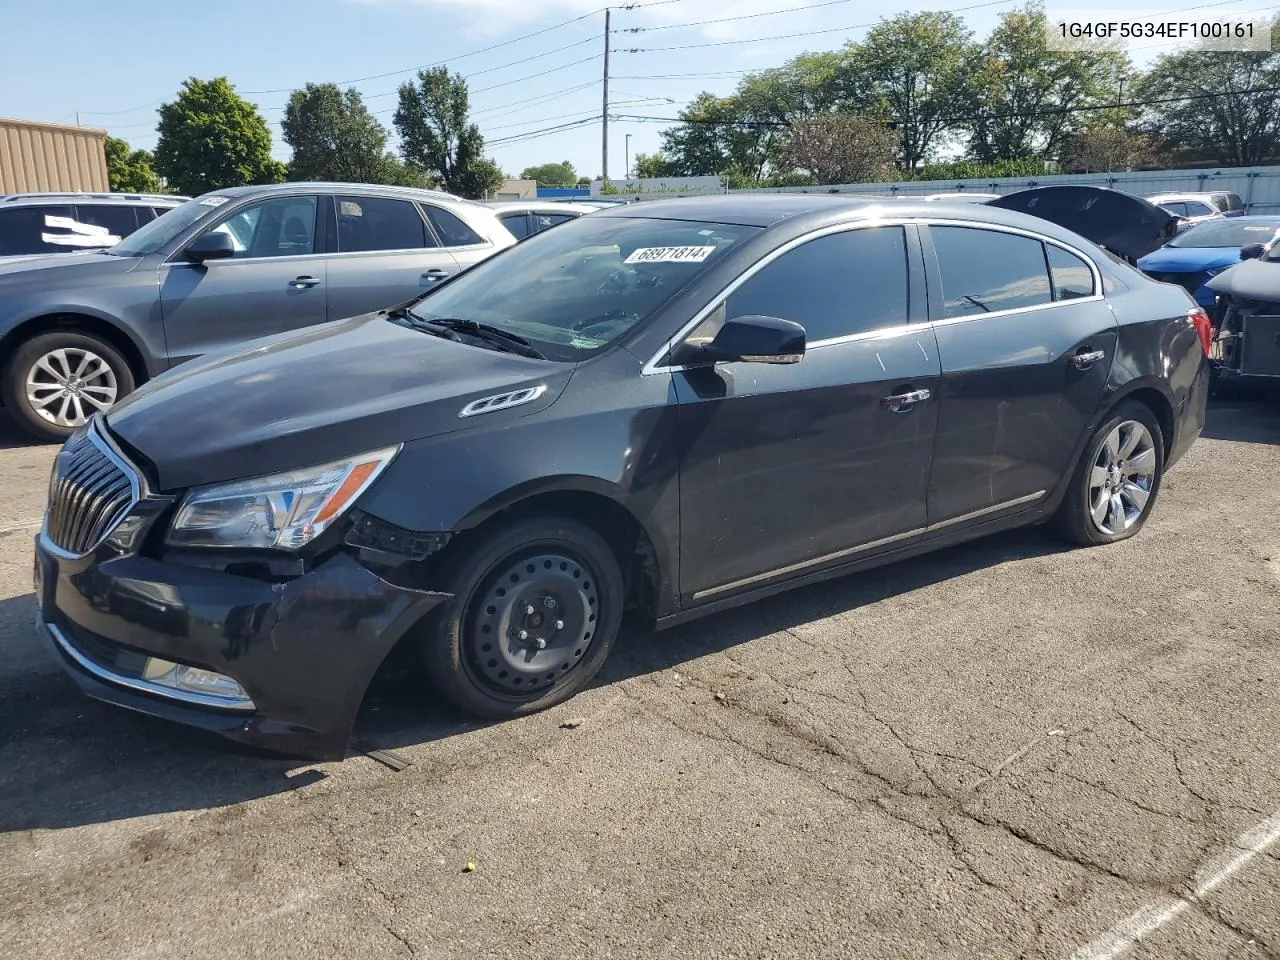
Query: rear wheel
{"x": 54, "y": 382}
{"x": 1114, "y": 486}
{"x": 536, "y": 609}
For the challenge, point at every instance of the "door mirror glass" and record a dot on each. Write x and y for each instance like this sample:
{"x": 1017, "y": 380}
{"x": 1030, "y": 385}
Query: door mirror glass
{"x": 1252, "y": 251}
{"x": 756, "y": 340}
{"x": 215, "y": 245}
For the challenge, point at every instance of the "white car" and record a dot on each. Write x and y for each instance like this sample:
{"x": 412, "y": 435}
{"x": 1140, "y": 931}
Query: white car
{"x": 524, "y": 218}
{"x": 1196, "y": 208}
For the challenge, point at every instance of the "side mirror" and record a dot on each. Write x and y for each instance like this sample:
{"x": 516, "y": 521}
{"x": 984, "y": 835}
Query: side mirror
{"x": 756, "y": 340}
{"x": 214, "y": 245}
{"x": 1252, "y": 251}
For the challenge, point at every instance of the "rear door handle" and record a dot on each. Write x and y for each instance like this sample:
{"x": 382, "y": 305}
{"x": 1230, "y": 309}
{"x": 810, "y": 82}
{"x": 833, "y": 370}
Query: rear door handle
{"x": 1083, "y": 361}
{"x": 300, "y": 283}
{"x": 902, "y": 402}
{"x": 435, "y": 274}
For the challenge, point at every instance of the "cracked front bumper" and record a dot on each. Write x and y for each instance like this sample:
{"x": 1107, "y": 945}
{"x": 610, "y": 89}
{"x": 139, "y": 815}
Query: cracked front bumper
{"x": 303, "y": 650}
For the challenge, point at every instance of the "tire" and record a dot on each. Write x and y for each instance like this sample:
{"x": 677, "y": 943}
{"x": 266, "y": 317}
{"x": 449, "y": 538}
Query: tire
{"x": 501, "y": 584}
{"x": 99, "y": 376}
{"x": 1110, "y": 496}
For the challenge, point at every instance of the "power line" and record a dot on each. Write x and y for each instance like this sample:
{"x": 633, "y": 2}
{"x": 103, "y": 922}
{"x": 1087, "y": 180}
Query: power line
{"x": 564, "y": 116}
{"x": 514, "y": 106}
{"x": 535, "y": 134}
{"x": 1056, "y": 111}
{"x": 742, "y": 16}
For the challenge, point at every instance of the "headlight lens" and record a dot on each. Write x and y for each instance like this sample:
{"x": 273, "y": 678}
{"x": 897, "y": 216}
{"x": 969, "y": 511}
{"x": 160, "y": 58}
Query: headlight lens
{"x": 284, "y": 511}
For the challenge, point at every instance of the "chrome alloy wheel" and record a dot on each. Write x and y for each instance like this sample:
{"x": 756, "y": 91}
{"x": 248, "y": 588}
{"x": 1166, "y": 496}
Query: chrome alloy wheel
{"x": 69, "y": 385}
{"x": 1122, "y": 478}
{"x": 533, "y": 624}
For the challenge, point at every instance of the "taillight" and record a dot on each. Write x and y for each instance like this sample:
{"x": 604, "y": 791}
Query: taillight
{"x": 1204, "y": 327}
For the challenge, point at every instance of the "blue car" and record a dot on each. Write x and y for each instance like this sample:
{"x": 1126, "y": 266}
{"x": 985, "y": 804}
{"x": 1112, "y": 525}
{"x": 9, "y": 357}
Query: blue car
{"x": 1205, "y": 250}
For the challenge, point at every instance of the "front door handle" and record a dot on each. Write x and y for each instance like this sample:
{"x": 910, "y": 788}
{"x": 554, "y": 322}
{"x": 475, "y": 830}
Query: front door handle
{"x": 903, "y": 402}
{"x": 1083, "y": 361}
{"x": 301, "y": 283}
{"x": 435, "y": 274}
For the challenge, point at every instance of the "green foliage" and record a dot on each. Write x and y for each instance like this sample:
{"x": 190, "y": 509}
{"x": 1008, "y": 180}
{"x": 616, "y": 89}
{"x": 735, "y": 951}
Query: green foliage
{"x": 1240, "y": 129}
{"x": 1104, "y": 149}
{"x": 975, "y": 170}
{"x": 211, "y": 138}
{"x": 334, "y": 137}
{"x": 653, "y": 166}
{"x": 552, "y": 174}
{"x": 1031, "y": 94}
{"x": 438, "y": 137}
{"x": 840, "y": 148}
{"x": 131, "y": 171}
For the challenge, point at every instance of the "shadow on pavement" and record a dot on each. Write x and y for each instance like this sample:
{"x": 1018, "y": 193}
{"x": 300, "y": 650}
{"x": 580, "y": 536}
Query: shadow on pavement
{"x": 1247, "y": 418}
{"x": 66, "y": 760}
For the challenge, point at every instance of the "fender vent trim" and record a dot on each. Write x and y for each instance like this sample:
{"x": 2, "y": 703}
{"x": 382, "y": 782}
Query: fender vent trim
{"x": 503, "y": 401}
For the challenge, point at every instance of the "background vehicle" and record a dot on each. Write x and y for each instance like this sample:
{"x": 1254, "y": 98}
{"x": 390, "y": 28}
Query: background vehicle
{"x": 1205, "y": 250}
{"x": 39, "y": 223}
{"x": 524, "y": 218}
{"x": 78, "y": 332}
{"x": 960, "y": 195}
{"x": 762, "y": 391}
{"x": 1197, "y": 207}
{"x": 1246, "y": 344}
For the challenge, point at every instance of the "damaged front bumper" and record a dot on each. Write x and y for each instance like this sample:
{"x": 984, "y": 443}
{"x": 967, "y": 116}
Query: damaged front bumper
{"x": 302, "y": 651}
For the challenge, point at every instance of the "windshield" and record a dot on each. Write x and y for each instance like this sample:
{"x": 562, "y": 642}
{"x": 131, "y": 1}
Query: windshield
{"x": 1227, "y": 233}
{"x": 165, "y": 228}
{"x": 573, "y": 290}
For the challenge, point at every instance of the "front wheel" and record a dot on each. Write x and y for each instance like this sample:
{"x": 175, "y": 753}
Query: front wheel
{"x": 54, "y": 382}
{"x": 536, "y": 608}
{"x": 1114, "y": 486}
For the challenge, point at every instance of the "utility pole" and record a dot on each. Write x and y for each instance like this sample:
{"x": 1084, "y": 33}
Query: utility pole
{"x": 626, "y": 174}
{"x": 604, "y": 115}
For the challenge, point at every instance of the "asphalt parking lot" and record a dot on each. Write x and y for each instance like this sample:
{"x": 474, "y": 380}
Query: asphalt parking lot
{"x": 1003, "y": 750}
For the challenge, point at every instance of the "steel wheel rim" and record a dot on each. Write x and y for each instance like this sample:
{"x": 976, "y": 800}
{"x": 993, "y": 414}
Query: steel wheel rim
{"x": 67, "y": 386}
{"x": 1122, "y": 478}
{"x": 532, "y": 622}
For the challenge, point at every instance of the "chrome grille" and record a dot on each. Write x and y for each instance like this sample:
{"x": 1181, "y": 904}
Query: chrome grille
{"x": 90, "y": 492}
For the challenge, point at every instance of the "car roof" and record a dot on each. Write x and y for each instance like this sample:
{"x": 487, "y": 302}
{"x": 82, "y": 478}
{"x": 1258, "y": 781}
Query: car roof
{"x": 73, "y": 197}
{"x": 533, "y": 206}
{"x": 770, "y": 209}
{"x": 319, "y": 186}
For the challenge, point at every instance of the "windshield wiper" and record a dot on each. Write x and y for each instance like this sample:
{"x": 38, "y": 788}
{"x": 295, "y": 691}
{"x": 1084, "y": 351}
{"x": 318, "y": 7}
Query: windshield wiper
{"x": 494, "y": 336}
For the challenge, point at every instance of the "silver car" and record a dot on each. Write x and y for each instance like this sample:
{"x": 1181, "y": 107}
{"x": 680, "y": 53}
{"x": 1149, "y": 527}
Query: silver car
{"x": 80, "y": 331}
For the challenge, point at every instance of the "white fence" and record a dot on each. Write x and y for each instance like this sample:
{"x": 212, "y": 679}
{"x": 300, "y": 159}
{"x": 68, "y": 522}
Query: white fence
{"x": 1258, "y": 187}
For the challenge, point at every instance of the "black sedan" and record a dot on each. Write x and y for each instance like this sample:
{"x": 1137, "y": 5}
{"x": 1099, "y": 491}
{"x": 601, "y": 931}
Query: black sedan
{"x": 676, "y": 407}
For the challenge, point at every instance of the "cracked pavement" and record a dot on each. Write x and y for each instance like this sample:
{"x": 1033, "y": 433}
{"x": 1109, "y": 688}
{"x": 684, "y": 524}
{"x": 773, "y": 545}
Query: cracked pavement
{"x": 998, "y": 751}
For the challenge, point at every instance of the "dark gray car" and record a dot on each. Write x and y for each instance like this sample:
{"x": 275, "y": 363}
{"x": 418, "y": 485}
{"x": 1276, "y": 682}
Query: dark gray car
{"x": 79, "y": 332}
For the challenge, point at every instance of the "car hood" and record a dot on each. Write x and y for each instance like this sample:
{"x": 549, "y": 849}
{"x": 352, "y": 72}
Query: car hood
{"x": 1124, "y": 224}
{"x": 1250, "y": 280}
{"x": 62, "y": 268}
{"x": 1190, "y": 259}
{"x": 300, "y": 399}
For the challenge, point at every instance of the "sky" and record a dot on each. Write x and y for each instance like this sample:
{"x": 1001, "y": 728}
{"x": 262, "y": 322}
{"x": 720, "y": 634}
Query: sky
{"x": 533, "y": 96}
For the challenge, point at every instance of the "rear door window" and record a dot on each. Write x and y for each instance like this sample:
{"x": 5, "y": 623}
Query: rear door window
{"x": 1197, "y": 209}
{"x": 35, "y": 230}
{"x": 518, "y": 224}
{"x": 1176, "y": 208}
{"x": 367, "y": 224}
{"x": 984, "y": 271}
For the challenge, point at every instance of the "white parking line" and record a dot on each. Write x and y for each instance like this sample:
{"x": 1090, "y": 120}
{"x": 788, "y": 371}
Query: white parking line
{"x": 1208, "y": 878}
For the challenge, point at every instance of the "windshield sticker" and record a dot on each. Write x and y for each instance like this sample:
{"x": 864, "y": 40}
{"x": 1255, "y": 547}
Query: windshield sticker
{"x": 212, "y": 201}
{"x": 670, "y": 255}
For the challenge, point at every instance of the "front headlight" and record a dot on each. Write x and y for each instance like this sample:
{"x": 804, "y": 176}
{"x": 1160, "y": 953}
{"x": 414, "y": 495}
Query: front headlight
{"x": 284, "y": 511}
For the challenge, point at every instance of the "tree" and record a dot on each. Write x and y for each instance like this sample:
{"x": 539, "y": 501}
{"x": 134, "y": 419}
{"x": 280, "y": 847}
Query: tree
{"x": 130, "y": 171}
{"x": 1030, "y": 97}
{"x": 653, "y": 166}
{"x": 841, "y": 148}
{"x": 211, "y": 138}
{"x": 552, "y": 174}
{"x": 918, "y": 67}
{"x": 334, "y": 137}
{"x": 1221, "y": 116}
{"x": 438, "y": 137}
{"x": 1104, "y": 149}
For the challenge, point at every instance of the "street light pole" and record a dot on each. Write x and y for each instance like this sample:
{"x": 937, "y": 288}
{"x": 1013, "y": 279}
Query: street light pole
{"x": 627, "y": 172}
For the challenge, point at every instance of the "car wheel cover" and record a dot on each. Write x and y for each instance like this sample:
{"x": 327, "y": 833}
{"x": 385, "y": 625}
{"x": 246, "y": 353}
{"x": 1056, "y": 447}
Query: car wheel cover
{"x": 532, "y": 623}
{"x": 1122, "y": 478}
{"x": 67, "y": 386}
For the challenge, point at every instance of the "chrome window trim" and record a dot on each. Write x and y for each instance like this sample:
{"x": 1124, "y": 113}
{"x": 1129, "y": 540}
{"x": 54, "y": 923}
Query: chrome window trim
{"x": 143, "y": 686}
{"x": 864, "y": 547}
{"x": 652, "y": 366}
